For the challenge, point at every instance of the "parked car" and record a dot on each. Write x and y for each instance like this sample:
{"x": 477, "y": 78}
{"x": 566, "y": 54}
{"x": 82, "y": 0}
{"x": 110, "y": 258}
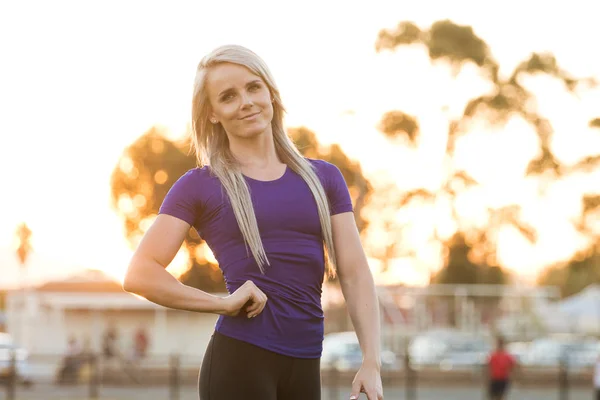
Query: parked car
{"x": 426, "y": 350}
{"x": 518, "y": 350}
{"x": 551, "y": 351}
{"x": 468, "y": 352}
{"x": 429, "y": 348}
{"x": 341, "y": 351}
{"x": 7, "y": 348}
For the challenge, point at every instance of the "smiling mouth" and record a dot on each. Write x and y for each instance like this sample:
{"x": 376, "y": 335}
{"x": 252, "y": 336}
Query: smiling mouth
{"x": 251, "y": 115}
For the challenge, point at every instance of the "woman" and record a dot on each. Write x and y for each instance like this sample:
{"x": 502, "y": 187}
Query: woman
{"x": 276, "y": 222}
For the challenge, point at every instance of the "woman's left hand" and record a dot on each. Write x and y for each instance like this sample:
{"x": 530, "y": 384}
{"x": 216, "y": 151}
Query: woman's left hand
{"x": 368, "y": 381}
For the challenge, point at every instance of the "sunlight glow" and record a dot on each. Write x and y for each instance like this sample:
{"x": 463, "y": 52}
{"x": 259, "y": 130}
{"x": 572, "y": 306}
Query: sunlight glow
{"x": 64, "y": 130}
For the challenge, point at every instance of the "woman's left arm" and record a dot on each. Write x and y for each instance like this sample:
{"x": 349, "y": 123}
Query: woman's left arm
{"x": 358, "y": 288}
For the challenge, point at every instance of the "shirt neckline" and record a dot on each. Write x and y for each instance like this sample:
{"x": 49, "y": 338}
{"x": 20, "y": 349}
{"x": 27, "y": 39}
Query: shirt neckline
{"x": 285, "y": 172}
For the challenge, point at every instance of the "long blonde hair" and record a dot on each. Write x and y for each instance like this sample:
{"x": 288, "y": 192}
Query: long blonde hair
{"x": 212, "y": 148}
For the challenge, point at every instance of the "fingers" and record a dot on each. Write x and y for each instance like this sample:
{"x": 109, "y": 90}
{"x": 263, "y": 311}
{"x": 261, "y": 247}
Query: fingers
{"x": 356, "y": 389}
{"x": 254, "y": 305}
{"x": 258, "y": 300}
{"x": 372, "y": 394}
{"x": 261, "y": 304}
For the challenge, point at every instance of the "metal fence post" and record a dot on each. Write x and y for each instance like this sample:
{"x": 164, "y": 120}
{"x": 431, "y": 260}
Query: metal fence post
{"x": 410, "y": 378}
{"x": 410, "y": 375}
{"x": 334, "y": 381}
{"x": 11, "y": 384}
{"x": 174, "y": 376}
{"x": 485, "y": 377}
{"x": 93, "y": 379}
{"x": 563, "y": 378}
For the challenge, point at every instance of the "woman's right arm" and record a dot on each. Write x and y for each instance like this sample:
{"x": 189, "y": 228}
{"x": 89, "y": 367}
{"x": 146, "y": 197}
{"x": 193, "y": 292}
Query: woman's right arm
{"x": 147, "y": 275}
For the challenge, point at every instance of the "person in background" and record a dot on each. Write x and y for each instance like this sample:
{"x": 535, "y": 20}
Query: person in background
{"x": 140, "y": 344}
{"x": 597, "y": 378}
{"x": 69, "y": 372}
{"x": 500, "y": 368}
{"x": 109, "y": 343}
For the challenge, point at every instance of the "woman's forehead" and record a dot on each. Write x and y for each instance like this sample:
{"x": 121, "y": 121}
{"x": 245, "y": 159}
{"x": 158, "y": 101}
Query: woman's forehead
{"x": 228, "y": 74}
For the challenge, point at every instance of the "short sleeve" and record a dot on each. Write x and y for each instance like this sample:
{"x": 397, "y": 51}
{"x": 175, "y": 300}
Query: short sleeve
{"x": 337, "y": 191}
{"x": 182, "y": 201}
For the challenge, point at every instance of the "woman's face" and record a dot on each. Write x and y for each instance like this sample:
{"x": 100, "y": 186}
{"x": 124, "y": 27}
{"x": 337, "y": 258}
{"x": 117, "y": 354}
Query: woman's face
{"x": 239, "y": 100}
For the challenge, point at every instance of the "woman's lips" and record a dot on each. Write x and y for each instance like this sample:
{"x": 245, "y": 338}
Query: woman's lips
{"x": 251, "y": 115}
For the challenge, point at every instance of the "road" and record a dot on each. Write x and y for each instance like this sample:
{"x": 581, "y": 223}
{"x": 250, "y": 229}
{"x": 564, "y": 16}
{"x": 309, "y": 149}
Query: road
{"x": 188, "y": 392}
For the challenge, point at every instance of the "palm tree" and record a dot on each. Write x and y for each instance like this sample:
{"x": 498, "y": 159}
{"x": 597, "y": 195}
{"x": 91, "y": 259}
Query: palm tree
{"x": 23, "y": 234}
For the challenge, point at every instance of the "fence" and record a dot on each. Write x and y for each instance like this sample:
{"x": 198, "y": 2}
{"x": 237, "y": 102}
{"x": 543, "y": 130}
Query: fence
{"x": 86, "y": 376}
{"x": 175, "y": 377}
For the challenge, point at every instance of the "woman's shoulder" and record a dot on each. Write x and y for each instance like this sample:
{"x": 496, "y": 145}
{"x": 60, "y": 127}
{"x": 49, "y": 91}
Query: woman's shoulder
{"x": 196, "y": 181}
{"x": 197, "y": 174}
{"x": 325, "y": 169}
{"x": 321, "y": 165}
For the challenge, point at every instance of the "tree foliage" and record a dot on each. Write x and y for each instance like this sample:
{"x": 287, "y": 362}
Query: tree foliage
{"x": 459, "y": 45}
{"x": 507, "y": 97}
{"x": 575, "y": 275}
{"x": 462, "y": 266}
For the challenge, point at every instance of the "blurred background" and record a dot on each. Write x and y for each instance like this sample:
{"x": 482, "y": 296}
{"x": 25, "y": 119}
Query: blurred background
{"x": 468, "y": 133}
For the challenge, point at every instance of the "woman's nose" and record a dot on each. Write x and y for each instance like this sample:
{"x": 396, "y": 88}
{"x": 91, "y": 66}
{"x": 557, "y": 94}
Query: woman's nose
{"x": 246, "y": 99}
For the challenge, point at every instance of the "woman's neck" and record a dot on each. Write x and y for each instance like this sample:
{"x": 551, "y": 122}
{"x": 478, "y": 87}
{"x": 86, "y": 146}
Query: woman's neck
{"x": 258, "y": 152}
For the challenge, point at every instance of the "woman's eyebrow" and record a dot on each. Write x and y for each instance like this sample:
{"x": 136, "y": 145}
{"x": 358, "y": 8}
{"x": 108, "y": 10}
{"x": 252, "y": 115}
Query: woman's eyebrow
{"x": 230, "y": 89}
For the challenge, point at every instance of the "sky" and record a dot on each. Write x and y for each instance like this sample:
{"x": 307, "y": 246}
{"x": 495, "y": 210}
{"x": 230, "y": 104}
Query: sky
{"x": 81, "y": 80}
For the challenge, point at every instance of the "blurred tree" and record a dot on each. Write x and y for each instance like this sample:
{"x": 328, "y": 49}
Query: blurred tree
{"x": 587, "y": 223}
{"x": 507, "y": 97}
{"x": 139, "y": 183}
{"x": 150, "y": 166}
{"x": 576, "y": 274}
{"x": 462, "y": 266}
{"x": 359, "y": 187}
{"x": 583, "y": 268}
{"x": 396, "y": 124}
{"x": 385, "y": 233}
{"x": 23, "y": 234}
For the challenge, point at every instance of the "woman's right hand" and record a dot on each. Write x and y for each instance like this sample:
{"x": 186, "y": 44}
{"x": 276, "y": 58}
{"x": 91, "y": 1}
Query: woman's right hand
{"x": 247, "y": 298}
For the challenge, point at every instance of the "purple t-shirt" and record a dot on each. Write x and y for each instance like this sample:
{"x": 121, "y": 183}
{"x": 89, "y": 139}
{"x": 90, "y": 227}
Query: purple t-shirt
{"x": 292, "y": 320}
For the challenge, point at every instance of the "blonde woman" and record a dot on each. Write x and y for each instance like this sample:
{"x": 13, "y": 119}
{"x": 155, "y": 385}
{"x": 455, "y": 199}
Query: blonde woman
{"x": 277, "y": 223}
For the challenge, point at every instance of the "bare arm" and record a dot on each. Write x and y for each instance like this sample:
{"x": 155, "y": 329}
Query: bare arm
{"x": 147, "y": 277}
{"x": 358, "y": 287}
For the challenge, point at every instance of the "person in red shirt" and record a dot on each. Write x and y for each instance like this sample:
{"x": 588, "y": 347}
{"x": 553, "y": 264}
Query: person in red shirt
{"x": 500, "y": 367}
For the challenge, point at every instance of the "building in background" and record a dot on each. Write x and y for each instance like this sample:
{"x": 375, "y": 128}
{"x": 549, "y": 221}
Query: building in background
{"x": 86, "y": 305}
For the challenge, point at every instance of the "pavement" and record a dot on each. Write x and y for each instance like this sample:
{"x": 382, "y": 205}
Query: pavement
{"x": 189, "y": 392}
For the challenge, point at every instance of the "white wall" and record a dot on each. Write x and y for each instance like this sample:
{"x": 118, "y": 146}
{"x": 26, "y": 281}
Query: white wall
{"x": 49, "y": 322}
{"x": 183, "y": 333}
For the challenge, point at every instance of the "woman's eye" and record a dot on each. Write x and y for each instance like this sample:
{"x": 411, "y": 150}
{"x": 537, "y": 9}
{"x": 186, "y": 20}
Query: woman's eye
{"x": 254, "y": 87}
{"x": 227, "y": 97}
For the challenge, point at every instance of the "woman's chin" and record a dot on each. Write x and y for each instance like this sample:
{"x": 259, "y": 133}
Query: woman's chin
{"x": 254, "y": 132}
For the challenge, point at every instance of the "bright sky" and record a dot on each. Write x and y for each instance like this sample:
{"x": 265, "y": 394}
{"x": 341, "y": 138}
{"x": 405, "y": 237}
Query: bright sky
{"x": 79, "y": 81}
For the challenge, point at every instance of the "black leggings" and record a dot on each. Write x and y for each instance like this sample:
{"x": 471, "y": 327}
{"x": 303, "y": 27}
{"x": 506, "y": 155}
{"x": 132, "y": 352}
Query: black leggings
{"x": 234, "y": 370}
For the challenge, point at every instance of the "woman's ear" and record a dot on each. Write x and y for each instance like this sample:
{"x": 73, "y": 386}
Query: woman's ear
{"x": 212, "y": 117}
